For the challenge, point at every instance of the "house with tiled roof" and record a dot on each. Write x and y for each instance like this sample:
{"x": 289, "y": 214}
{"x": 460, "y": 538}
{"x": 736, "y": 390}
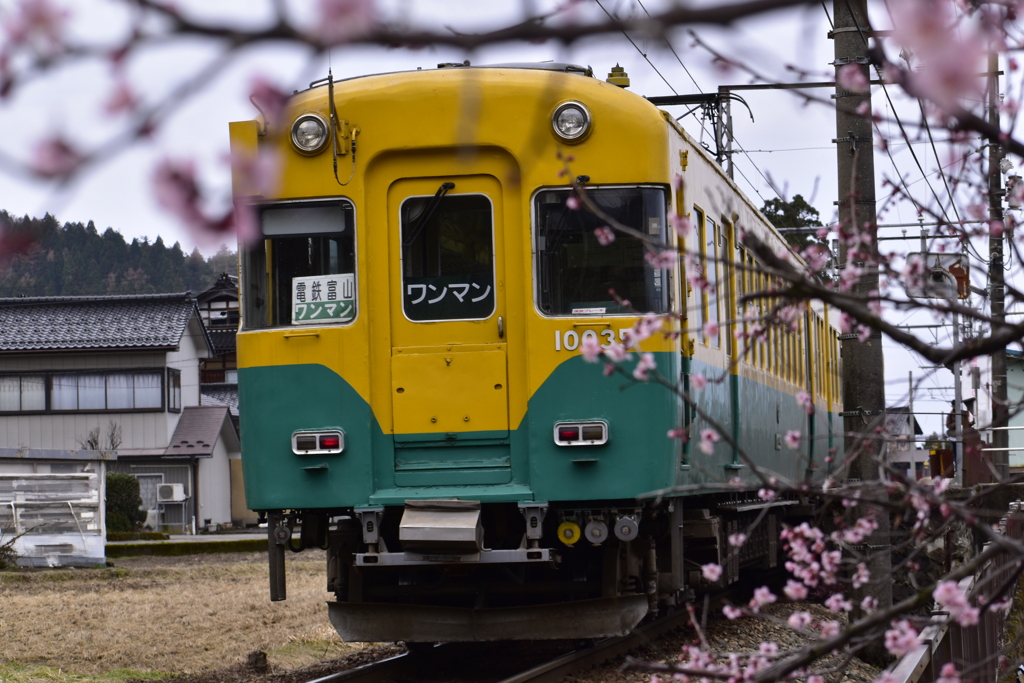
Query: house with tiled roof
{"x": 118, "y": 375}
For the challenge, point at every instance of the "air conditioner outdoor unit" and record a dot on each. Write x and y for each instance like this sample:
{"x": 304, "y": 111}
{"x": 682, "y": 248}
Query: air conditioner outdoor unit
{"x": 170, "y": 493}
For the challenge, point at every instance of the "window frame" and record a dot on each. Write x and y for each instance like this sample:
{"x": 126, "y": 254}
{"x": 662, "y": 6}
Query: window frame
{"x": 173, "y": 383}
{"x": 48, "y": 388}
{"x": 494, "y": 258}
{"x": 667, "y": 278}
{"x": 267, "y": 271}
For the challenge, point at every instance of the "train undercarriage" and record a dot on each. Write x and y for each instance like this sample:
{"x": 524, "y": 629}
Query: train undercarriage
{"x": 454, "y": 570}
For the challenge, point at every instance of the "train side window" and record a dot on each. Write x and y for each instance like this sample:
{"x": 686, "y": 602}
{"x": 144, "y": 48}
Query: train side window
{"x": 303, "y": 271}
{"x": 702, "y": 269}
{"x": 576, "y": 274}
{"x": 713, "y": 270}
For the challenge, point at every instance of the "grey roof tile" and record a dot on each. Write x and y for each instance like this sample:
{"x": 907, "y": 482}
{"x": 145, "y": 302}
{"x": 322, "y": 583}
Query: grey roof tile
{"x": 95, "y": 322}
{"x": 220, "y": 394}
{"x": 197, "y": 431}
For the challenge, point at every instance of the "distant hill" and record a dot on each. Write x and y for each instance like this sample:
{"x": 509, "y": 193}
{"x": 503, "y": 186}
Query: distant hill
{"x": 76, "y": 260}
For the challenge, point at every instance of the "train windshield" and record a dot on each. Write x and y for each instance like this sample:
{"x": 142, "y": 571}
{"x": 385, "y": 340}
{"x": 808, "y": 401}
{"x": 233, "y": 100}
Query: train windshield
{"x": 447, "y": 249}
{"x": 303, "y": 272}
{"x": 576, "y": 275}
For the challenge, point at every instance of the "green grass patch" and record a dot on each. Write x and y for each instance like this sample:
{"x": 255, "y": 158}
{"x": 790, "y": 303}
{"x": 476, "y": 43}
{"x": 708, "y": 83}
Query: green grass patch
{"x": 175, "y": 548}
{"x": 12, "y": 672}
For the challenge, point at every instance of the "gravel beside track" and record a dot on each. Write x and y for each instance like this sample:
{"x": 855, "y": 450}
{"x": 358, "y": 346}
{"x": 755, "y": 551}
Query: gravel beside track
{"x": 217, "y": 637}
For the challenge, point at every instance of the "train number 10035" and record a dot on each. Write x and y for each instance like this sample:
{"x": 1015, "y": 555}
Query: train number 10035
{"x": 570, "y": 340}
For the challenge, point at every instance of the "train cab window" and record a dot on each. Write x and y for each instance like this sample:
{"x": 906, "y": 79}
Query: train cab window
{"x": 303, "y": 271}
{"x": 448, "y": 257}
{"x": 576, "y": 275}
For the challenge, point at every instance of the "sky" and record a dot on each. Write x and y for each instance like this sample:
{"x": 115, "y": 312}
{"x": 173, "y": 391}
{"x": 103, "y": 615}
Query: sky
{"x": 787, "y": 147}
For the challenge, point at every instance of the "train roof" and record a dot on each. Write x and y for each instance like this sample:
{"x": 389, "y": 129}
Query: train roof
{"x": 561, "y": 67}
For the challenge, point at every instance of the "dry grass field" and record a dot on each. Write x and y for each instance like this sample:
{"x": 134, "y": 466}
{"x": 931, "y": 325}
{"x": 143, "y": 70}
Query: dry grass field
{"x": 151, "y": 617}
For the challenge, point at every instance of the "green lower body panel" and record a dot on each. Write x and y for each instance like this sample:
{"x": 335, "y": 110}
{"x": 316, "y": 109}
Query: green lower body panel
{"x": 517, "y": 465}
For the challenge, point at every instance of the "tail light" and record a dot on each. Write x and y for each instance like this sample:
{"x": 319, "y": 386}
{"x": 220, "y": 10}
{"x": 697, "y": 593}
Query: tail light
{"x": 318, "y": 443}
{"x": 581, "y": 433}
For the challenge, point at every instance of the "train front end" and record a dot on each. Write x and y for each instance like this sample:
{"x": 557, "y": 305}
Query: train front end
{"x": 412, "y": 390}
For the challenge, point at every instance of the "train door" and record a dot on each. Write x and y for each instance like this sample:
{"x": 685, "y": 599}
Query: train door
{"x": 449, "y": 378}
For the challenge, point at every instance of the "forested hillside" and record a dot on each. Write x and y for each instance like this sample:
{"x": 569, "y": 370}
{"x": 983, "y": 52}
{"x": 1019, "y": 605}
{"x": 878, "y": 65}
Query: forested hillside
{"x": 75, "y": 259}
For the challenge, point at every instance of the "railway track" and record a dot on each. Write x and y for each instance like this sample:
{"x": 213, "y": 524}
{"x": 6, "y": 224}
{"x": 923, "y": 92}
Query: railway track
{"x": 414, "y": 665}
{"x": 537, "y": 662}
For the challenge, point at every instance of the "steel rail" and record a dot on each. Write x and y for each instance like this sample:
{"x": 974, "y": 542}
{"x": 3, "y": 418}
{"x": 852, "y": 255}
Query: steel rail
{"x": 384, "y": 669}
{"x": 560, "y": 667}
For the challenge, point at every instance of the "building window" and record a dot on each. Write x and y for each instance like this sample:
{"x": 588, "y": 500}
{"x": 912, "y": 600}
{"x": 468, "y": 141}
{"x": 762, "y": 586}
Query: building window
{"x": 27, "y": 392}
{"x": 117, "y": 390}
{"x": 173, "y": 390}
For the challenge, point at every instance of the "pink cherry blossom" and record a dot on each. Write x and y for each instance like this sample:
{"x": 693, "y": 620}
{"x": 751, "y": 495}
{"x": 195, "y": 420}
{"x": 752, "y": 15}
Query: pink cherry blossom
{"x": 55, "y": 157}
{"x": 805, "y": 401}
{"x": 731, "y": 612}
{"x": 682, "y": 225}
{"x": 604, "y": 235}
{"x": 573, "y": 203}
{"x": 953, "y": 599}
{"x": 837, "y": 603}
{"x": 869, "y": 604}
{"x": 766, "y": 494}
{"x": 901, "y": 638}
{"x": 176, "y": 189}
{"x": 122, "y": 99}
{"x": 799, "y": 620}
{"x": 698, "y": 382}
{"x": 792, "y": 439}
{"x": 711, "y": 572}
{"x": 708, "y": 439}
{"x": 852, "y": 77}
{"x": 829, "y": 629}
{"x": 711, "y": 328}
{"x": 762, "y": 596}
{"x": 737, "y": 540}
{"x": 795, "y": 590}
{"x": 617, "y": 353}
{"x": 270, "y": 99}
{"x": 38, "y": 24}
{"x": 949, "y": 674}
{"x": 342, "y": 20}
{"x": 590, "y": 348}
{"x": 665, "y": 258}
{"x": 679, "y": 433}
{"x": 643, "y": 366}
{"x": 862, "y": 576}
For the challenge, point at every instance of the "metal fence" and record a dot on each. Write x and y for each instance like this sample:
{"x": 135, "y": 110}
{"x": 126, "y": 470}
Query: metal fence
{"x": 974, "y": 650}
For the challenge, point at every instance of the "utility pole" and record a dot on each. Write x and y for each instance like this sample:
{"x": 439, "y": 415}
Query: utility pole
{"x": 996, "y": 281}
{"x": 863, "y": 369}
{"x": 913, "y": 434}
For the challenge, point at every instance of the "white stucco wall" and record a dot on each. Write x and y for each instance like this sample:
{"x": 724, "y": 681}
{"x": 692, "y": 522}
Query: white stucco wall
{"x": 215, "y": 486}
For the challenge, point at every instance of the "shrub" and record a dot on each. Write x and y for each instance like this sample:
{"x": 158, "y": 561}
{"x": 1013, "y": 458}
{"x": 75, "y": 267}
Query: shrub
{"x": 123, "y": 503}
{"x": 8, "y": 558}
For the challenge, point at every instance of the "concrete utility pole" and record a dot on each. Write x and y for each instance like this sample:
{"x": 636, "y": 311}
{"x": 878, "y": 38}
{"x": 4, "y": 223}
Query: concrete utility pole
{"x": 996, "y": 281}
{"x": 863, "y": 369}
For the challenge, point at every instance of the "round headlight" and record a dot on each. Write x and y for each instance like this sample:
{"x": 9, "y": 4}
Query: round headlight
{"x": 571, "y": 121}
{"x": 309, "y": 132}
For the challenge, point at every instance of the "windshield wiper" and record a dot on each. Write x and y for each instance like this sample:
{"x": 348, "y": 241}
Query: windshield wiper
{"x": 428, "y": 213}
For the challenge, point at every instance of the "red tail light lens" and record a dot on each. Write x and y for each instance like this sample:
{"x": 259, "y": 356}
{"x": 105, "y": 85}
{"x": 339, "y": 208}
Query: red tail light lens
{"x": 568, "y": 433}
{"x": 329, "y": 442}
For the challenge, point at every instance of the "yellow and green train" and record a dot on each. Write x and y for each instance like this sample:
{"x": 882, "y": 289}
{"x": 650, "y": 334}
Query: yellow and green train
{"x": 412, "y": 392}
